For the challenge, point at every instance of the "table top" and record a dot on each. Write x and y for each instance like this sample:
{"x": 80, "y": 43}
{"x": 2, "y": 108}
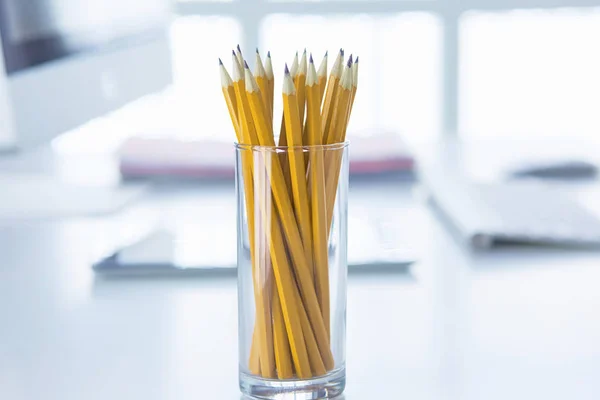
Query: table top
{"x": 517, "y": 323}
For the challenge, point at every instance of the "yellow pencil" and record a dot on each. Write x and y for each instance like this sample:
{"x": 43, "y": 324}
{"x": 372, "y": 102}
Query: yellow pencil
{"x": 337, "y": 134}
{"x": 280, "y": 343}
{"x": 290, "y": 229}
{"x": 230, "y": 100}
{"x": 263, "y": 84}
{"x": 293, "y": 128}
{"x": 262, "y": 297}
{"x": 354, "y": 84}
{"x": 316, "y": 361}
{"x": 283, "y": 135}
{"x": 317, "y": 185}
{"x": 330, "y": 102}
{"x": 280, "y": 340}
{"x": 291, "y": 303}
{"x": 271, "y": 80}
{"x": 322, "y": 78}
{"x": 240, "y": 58}
{"x": 299, "y": 83}
{"x": 284, "y": 278}
{"x": 338, "y": 122}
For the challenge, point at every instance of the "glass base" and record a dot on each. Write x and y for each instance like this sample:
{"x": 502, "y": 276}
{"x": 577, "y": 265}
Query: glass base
{"x": 324, "y": 387}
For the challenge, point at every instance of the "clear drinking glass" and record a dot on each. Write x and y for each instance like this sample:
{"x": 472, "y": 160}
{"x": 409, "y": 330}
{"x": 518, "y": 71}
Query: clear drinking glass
{"x": 292, "y": 269}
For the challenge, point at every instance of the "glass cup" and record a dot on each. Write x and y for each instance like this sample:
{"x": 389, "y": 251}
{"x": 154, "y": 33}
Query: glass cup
{"x": 292, "y": 269}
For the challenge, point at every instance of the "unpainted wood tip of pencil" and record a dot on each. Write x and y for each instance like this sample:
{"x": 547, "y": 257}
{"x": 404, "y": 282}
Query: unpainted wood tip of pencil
{"x": 355, "y": 73}
{"x": 322, "y": 72}
{"x": 259, "y": 69}
{"x": 302, "y": 65}
{"x": 236, "y": 69}
{"x": 251, "y": 85}
{"x": 225, "y": 78}
{"x": 288, "y": 84}
{"x": 294, "y": 67}
{"x": 346, "y": 80}
{"x": 311, "y": 76}
{"x": 336, "y": 70}
{"x": 269, "y": 69}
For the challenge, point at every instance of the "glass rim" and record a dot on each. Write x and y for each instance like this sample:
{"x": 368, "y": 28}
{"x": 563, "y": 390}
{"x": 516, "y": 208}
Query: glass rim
{"x": 277, "y": 149}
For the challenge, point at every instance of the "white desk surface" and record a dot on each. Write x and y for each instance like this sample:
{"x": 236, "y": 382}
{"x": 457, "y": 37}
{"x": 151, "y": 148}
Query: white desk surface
{"x": 520, "y": 323}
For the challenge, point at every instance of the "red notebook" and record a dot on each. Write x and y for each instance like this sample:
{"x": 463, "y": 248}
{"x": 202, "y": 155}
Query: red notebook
{"x": 162, "y": 157}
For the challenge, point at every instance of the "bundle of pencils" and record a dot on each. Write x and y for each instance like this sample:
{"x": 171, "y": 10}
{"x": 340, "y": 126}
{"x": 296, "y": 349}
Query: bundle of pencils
{"x": 290, "y": 197}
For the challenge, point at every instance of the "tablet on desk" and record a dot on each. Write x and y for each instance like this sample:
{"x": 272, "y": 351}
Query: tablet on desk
{"x": 213, "y": 251}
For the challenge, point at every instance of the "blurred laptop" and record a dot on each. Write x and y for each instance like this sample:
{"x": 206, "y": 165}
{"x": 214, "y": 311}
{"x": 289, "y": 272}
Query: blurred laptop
{"x": 210, "y": 246}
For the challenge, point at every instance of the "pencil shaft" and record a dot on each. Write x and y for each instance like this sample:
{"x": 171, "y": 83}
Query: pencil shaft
{"x": 263, "y": 317}
{"x": 317, "y": 364}
{"x": 298, "y": 260}
{"x": 318, "y": 203}
{"x": 283, "y": 358}
{"x": 271, "y": 95}
{"x": 230, "y": 100}
{"x": 329, "y": 104}
{"x": 289, "y": 298}
{"x": 300, "y": 84}
{"x": 298, "y": 175}
{"x": 322, "y": 86}
{"x": 337, "y": 134}
{"x": 254, "y": 362}
{"x": 263, "y": 84}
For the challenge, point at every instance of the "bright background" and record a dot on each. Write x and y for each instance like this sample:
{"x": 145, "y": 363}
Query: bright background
{"x": 480, "y": 68}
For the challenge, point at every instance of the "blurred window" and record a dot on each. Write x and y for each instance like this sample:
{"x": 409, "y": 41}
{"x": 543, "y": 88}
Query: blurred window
{"x": 490, "y": 67}
{"x": 532, "y": 72}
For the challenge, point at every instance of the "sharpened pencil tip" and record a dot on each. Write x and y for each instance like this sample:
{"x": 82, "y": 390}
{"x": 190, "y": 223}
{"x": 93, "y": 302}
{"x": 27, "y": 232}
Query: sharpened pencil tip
{"x": 349, "y": 64}
{"x": 356, "y": 61}
{"x": 257, "y": 52}
{"x": 269, "y": 53}
{"x": 287, "y": 71}
{"x": 310, "y": 59}
{"x": 233, "y": 52}
{"x": 238, "y": 47}
{"x": 342, "y": 52}
{"x": 246, "y": 65}
{"x": 220, "y": 62}
{"x": 326, "y": 53}
{"x": 304, "y": 50}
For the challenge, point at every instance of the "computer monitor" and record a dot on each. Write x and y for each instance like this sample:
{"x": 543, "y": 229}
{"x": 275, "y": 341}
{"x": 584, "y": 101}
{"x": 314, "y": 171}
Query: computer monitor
{"x": 64, "y": 62}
